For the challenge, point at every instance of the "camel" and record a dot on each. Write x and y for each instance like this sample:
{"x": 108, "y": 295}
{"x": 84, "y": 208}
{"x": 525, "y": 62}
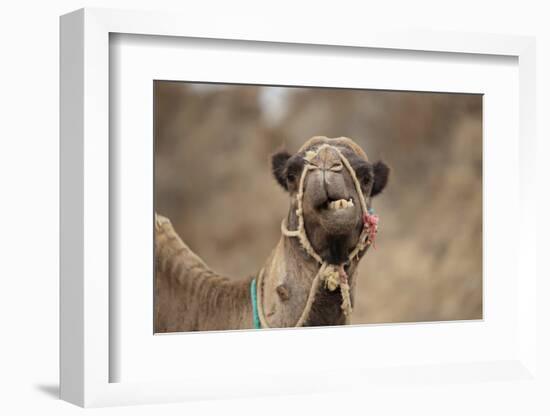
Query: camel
{"x": 309, "y": 278}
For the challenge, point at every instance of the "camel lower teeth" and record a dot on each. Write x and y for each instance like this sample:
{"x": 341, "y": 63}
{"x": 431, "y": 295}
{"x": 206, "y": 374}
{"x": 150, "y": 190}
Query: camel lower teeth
{"x": 340, "y": 204}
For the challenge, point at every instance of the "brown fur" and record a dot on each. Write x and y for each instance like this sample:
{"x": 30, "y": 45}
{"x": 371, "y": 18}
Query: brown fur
{"x": 189, "y": 296}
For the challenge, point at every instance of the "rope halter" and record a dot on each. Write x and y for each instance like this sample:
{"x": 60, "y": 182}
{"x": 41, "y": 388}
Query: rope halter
{"x": 333, "y": 276}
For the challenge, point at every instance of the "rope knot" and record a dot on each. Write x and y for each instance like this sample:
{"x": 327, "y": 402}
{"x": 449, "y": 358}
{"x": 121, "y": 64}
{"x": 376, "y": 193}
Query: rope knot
{"x": 334, "y": 277}
{"x": 331, "y": 277}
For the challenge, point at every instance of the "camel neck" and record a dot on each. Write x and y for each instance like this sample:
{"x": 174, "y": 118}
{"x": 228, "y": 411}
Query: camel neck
{"x": 285, "y": 290}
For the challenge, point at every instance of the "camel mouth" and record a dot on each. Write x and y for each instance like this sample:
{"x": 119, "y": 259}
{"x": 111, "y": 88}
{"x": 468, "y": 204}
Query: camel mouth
{"x": 336, "y": 205}
{"x": 338, "y": 216}
{"x": 340, "y": 204}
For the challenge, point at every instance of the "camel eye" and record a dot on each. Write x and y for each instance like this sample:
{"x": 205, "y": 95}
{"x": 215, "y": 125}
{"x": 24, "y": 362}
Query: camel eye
{"x": 293, "y": 169}
{"x": 363, "y": 171}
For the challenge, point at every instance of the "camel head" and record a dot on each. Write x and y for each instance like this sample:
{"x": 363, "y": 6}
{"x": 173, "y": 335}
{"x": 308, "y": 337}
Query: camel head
{"x": 331, "y": 209}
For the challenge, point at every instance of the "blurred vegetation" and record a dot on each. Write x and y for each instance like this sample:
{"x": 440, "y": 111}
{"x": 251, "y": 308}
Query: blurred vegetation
{"x": 213, "y": 180}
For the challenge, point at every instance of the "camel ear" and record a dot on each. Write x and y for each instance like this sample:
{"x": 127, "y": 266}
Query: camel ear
{"x": 278, "y": 165}
{"x": 381, "y": 173}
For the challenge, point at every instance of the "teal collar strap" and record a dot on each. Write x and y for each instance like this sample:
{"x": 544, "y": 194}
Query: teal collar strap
{"x": 254, "y": 299}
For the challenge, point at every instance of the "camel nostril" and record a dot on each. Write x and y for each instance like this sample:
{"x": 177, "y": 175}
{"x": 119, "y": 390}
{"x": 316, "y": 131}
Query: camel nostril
{"x": 335, "y": 186}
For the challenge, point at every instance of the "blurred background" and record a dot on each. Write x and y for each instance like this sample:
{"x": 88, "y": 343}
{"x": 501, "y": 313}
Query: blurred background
{"x": 213, "y": 180}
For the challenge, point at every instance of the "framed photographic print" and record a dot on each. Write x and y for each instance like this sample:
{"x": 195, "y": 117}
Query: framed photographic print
{"x": 303, "y": 255}
{"x": 269, "y": 212}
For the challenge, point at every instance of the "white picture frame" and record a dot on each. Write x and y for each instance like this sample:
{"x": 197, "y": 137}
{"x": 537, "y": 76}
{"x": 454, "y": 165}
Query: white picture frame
{"x": 86, "y": 356}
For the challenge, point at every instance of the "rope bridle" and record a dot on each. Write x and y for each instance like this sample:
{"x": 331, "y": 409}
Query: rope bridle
{"x": 333, "y": 276}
